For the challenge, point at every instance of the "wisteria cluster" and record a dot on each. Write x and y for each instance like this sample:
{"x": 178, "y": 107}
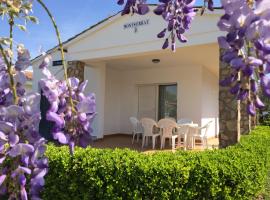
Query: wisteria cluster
{"x": 134, "y": 6}
{"x": 179, "y": 15}
{"x": 246, "y": 49}
{"x": 72, "y": 125}
{"x": 22, "y": 161}
{"x": 21, "y": 147}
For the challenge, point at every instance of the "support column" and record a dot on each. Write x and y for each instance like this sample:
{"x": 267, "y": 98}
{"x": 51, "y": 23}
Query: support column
{"x": 76, "y": 69}
{"x": 96, "y": 76}
{"x": 245, "y": 120}
{"x": 229, "y": 112}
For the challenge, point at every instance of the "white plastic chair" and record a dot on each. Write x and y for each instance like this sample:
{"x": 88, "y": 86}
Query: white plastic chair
{"x": 201, "y": 133}
{"x": 171, "y": 118}
{"x": 167, "y": 126}
{"x": 137, "y": 128}
{"x": 184, "y": 121}
{"x": 148, "y": 127}
{"x": 182, "y": 132}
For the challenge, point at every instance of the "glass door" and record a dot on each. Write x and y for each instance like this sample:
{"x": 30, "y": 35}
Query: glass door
{"x": 167, "y": 101}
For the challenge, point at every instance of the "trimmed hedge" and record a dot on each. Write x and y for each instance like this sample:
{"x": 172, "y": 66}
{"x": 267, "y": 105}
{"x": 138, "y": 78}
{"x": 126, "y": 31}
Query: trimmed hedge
{"x": 238, "y": 172}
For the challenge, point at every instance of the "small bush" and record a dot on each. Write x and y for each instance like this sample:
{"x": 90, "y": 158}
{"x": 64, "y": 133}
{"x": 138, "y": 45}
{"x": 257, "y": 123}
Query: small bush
{"x": 264, "y": 118}
{"x": 238, "y": 172}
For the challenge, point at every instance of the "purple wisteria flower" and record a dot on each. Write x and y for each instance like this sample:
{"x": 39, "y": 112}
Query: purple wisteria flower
{"x": 5, "y": 92}
{"x": 178, "y": 15}
{"x": 72, "y": 125}
{"x": 134, "y": 6}
{"x": 20, "y": 142}
{"x": 246, "y": 49}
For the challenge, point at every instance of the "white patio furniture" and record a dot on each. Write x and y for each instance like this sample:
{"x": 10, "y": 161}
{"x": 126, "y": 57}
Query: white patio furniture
{"x": 171, "y": 118}
{"x": 182, "y": 132}
{"x": 185, "y": 132}
{"x": 167, "y": 127}
{"x": 148, "y": 131}
{"x": 201, "y": 133}
{"x": 184, "y": 121}
{"x": 137, "y": 129}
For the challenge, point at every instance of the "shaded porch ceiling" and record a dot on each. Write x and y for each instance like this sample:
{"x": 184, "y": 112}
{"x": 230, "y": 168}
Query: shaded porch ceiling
{"x": 203, "y": 55}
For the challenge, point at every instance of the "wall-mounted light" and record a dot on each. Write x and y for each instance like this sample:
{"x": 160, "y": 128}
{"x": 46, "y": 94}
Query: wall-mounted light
{"x": 155, "y": 61}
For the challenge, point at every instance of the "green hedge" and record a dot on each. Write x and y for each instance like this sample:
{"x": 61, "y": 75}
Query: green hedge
{"x": 238, "y": 172}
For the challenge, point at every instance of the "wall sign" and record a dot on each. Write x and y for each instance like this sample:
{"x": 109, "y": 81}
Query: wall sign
{"x": 136, "y": 25}
{"x": 57, "y": 63}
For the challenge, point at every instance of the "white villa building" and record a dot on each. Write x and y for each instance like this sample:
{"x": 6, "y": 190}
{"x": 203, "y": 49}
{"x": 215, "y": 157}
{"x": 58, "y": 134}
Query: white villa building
{"x": 132, "y": 76}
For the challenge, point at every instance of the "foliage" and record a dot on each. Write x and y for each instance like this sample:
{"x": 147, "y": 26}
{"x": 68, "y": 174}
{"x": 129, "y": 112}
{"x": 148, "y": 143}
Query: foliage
{"x": 264, "y": 115}
{"x": 238, "y": 172}
{"x": 264, "y": 118}
{"x": 266, "y": 193}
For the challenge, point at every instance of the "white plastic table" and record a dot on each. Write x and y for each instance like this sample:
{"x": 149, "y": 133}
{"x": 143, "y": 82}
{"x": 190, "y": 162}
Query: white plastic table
{"x": 187, "y": 135}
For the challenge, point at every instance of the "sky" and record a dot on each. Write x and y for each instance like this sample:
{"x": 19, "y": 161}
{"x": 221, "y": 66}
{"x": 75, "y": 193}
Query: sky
{"x": 71, "y": 16}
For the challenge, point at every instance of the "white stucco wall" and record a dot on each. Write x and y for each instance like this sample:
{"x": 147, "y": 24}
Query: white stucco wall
{"x": 116, "y": 90}
{"x": 110, "y": 39}
{"x": 56, "y": 70}
{"x": 96, "y": 76}
{"x": 126, "y": 98}
{"x": 197, "y": 95}
{"x": 209, "y": 102}
{"x": 113, "y": 99}
{"x": 117, "y": 93}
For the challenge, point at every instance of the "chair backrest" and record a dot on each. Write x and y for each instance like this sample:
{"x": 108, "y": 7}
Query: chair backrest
{"x": 134, "y": 122}
{"x": 167, "y": 126}
{"x": 184, "y": 121}
{"x": 205, "y": 128}
{"x": 182, "y": 129}
{"x": 148, "y": 125}
{"x": 171, "y": 118}
{"x": 136, "y": 126}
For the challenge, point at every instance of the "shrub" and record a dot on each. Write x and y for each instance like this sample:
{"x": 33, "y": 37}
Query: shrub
{"x": 264, "y": 118}
{"x": 238, "y": 172}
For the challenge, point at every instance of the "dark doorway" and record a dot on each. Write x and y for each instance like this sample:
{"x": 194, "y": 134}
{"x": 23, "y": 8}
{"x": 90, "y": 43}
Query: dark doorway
{"x": 45, "y": 126}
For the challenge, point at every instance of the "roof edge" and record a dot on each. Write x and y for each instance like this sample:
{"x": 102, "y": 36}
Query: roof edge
{"x": 95, "y": 25}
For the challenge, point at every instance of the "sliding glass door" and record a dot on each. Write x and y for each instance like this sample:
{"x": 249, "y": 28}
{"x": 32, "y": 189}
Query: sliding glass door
{"x": 167, "y": 101}
{"x": 157, "y": 101}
